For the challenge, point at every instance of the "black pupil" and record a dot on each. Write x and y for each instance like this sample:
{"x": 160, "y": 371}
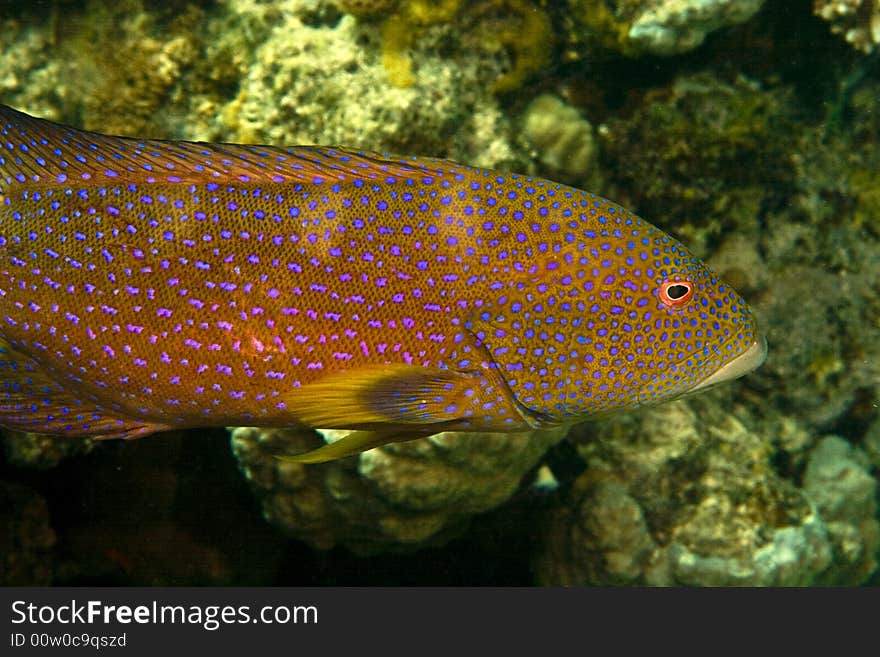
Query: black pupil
{"x": 676, "y": 292}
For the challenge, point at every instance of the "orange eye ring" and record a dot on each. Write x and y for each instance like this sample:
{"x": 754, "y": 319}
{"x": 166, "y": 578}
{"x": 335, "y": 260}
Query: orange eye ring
{"x": 676, "y": 293}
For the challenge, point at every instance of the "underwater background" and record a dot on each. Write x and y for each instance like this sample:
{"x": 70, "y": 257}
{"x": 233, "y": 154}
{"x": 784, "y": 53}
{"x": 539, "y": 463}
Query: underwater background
{"x": 746, "y": 128}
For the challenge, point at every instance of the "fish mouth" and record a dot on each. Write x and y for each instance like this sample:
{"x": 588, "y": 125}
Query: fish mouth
{"x": 749, "y": 360}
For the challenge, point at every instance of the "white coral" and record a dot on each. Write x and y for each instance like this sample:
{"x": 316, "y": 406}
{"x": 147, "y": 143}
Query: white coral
{"x": 857, "y": 21}
{"x": 668, "y": 27}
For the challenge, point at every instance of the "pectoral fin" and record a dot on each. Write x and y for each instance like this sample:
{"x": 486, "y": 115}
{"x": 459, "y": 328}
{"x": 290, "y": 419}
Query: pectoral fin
{"x": 390, "y": 395}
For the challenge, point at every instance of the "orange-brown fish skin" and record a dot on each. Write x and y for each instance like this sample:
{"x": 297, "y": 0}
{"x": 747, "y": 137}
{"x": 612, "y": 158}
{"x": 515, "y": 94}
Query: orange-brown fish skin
{"x": 147, "y": 285}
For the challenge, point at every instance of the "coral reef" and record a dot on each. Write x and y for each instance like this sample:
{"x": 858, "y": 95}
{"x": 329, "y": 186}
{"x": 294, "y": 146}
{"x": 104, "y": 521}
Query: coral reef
{"x": 401, "y": 31}
{"x": 529, "y": 36}
{"x": 396, "y": 497}
{"x": 250, "y": 73}
{"x": 818, "y": 374}
{"x": 686, "y": 494}
{"x": 857, "y": 21}
{"x": 656, "y": 27}
{"x": 107, "y": 66}
{"x": 597, "y": 26}
{"x": 26, "y": 539}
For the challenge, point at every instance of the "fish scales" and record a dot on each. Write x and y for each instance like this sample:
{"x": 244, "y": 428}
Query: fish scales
{"x": 149, "y": 284}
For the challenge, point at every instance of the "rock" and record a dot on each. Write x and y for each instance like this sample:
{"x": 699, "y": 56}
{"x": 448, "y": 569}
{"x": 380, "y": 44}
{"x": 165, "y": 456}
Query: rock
{"x": 683, "y": 494}
{"x": 399, "y": 496}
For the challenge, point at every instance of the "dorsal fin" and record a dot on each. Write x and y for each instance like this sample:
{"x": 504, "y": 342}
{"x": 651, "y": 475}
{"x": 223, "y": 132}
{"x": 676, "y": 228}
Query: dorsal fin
{"x": 36, "y": 152}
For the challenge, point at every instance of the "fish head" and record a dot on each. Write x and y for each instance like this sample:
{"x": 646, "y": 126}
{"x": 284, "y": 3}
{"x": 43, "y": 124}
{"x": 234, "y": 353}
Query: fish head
{"x": 627, "y": 317}
{"x": 700, "y": 331}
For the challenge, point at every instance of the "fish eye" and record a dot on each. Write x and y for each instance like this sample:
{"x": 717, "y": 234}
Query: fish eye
{"x": 676, "y": 293}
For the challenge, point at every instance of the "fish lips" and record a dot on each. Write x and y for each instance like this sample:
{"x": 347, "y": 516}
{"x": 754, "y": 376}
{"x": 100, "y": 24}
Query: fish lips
{"x": 750, "y": 359}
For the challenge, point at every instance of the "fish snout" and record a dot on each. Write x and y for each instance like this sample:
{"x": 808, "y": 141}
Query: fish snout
{"x": 750, "y": 359}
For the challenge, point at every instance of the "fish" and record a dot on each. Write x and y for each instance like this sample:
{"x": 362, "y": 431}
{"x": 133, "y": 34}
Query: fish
{"x": 150, "y": 285}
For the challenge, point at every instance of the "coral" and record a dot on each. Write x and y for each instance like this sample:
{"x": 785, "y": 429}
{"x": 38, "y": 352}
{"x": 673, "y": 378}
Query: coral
{"x": 857, "y": 21}
{"x": 107, "y": 66}
{"x": 248, "y": 71}
{"x": 400, "y": 31}
{"x": 399, "y": 496}
{"x": 367, "y": 8}
{"x": 289, "y": 95}
{"x": 134, "y": 59}
{"x": 701, "y": 161}
{"x": 26, "y": 539}
{"x": 530, "y": 37}
{"x": 39, "y": 451}
{"x": 820, "y": 304}
{"x": 656, "y": 27}
{"x": 30, "y": 76}
{"x": 518, "y": 26}
{"x": 838, "y": 482}
{"x": 816, "y": 374}
{"x": 561, "y": 138}
{"x": 683, "y": 494}
{"x": 668, "y": 27}
{"x": 601, "y": 25}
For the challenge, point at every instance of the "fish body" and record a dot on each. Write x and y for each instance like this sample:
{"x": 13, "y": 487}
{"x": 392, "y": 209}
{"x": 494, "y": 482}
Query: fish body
{"x": 147, "y": 285}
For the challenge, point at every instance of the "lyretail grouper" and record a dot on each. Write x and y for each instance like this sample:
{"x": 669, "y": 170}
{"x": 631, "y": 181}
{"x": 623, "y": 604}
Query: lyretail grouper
{"x": 148, "y": 285}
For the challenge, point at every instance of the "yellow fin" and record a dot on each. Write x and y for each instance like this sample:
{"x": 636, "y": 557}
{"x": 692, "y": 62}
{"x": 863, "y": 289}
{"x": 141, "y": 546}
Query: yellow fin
{"x": 384, "y": 394}
{"x": 357, "y": 442}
